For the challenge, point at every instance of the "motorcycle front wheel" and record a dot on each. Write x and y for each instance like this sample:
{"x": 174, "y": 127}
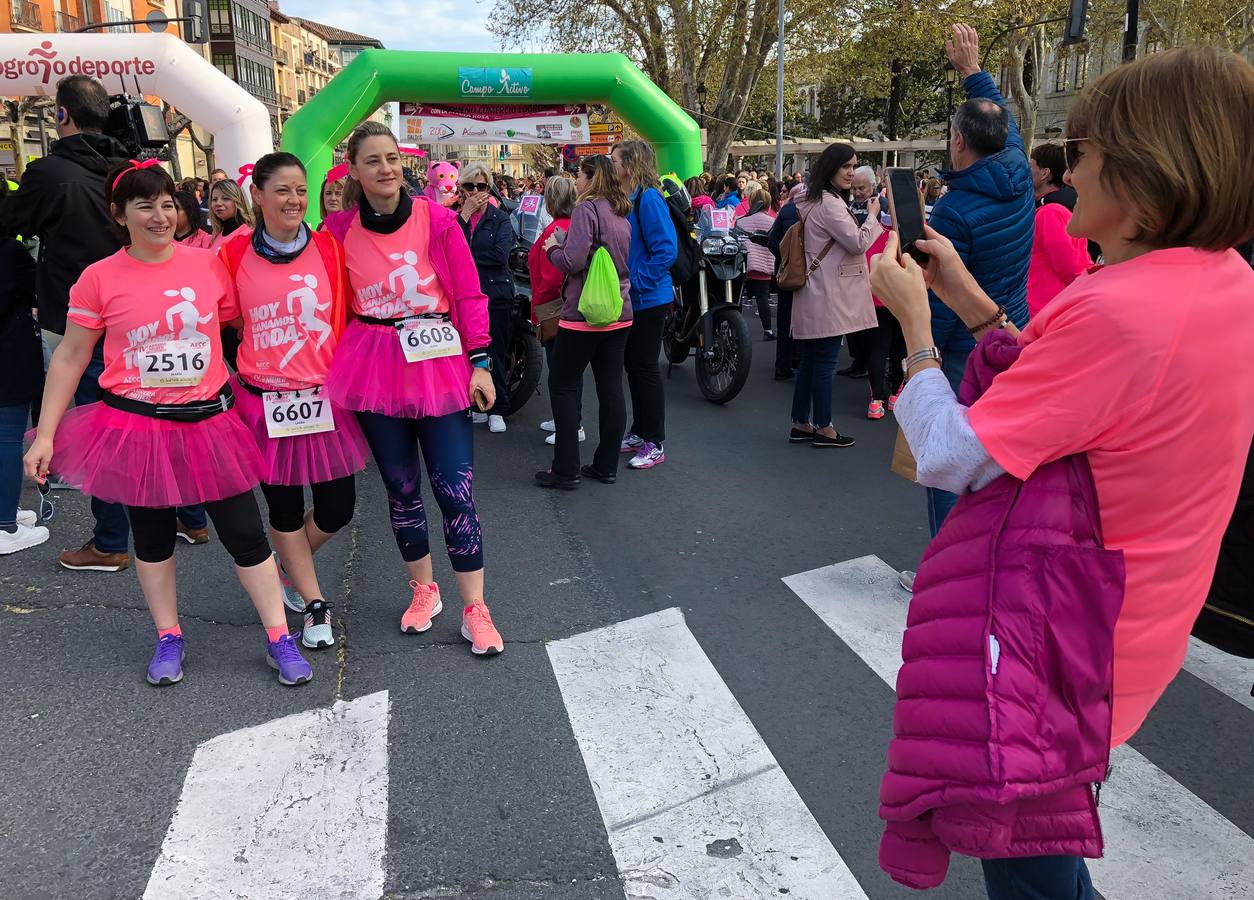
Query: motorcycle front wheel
{"x": 525, "y": 363}
{"x": 722, "y": 373}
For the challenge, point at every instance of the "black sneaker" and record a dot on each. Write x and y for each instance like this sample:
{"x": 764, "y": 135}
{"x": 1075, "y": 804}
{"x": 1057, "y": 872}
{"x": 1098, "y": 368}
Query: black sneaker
{"x": 593, "y": 473}
{"x": 549, "y": 480}
{"x": 822, "y": 440}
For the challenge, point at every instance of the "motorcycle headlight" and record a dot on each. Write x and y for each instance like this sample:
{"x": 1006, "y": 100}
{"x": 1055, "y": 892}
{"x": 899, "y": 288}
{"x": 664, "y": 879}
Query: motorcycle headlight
{"x": 731, "y": 247}
{"x": 712, "y": 246}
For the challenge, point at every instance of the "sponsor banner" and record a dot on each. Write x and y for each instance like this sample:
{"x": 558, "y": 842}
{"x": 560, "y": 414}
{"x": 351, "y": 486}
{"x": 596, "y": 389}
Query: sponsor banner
{"x": 477, "y": 82}
{"x": 493, "y": 124}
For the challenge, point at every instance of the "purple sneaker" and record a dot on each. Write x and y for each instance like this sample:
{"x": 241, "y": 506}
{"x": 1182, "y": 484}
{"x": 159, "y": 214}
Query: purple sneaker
{"x": 648, "y": 456}
{"x": 631, "y": 443}
{"x": 166, "y": 665}
{"x": 284, "y": 656}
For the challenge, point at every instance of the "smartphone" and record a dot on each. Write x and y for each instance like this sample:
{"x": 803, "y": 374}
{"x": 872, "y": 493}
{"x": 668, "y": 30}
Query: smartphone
{"x": 905, "y": 204}
{"x": 560, "y": 234}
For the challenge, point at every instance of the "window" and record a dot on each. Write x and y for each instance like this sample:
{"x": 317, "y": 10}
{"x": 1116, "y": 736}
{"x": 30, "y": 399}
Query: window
{"x": 220, "y": 16}
{"x": 225, "y": 62}
{"x": 1081, "y": 69}
{"x": 1060, "y": 71}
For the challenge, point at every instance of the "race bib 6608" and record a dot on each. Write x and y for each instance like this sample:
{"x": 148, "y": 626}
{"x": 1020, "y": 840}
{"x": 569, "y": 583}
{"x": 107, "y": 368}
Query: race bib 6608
{"x": 428, "y": 339}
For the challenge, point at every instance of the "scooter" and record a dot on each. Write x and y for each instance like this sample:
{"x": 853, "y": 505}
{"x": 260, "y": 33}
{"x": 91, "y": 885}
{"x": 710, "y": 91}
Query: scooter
{"x": 706, "y": 317}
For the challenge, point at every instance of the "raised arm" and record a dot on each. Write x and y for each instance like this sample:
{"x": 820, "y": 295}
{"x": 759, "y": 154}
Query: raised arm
{"x": 964, "y": 53}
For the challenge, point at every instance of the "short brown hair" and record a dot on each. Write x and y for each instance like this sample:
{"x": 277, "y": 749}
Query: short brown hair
{"x": 1175, "y": 131}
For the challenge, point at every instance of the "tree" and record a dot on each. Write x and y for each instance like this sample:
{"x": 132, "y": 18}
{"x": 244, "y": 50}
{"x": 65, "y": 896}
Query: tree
{"x": 679, "y": 44}
{"x": 15, "y": 113}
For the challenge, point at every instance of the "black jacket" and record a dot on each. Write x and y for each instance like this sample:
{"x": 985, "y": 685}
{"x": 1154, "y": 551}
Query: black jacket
{"x": 490, "y": 245}
{"x": 1065, "y": 196}
{"x": 61, "y": 201}
{"x": 785, "y": 219}
{"x": 21, "y": 353}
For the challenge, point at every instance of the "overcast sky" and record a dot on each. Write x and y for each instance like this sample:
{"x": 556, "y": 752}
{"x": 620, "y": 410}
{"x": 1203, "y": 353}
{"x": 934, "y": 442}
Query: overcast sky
{"x": 406, "y": 24}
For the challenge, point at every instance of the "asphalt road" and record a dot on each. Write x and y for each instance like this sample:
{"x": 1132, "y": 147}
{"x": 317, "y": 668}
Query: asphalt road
{"x": 489, "y": 792}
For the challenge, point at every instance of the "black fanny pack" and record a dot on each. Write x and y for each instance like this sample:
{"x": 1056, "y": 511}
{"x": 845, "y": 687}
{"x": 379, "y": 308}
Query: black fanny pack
{"x": 396, "y": 323}
{"x": 177, "y": 412}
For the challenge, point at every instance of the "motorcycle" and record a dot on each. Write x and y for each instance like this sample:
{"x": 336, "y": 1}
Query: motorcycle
{"x": 524, "y": 359}
{"x": 706, "y": 318}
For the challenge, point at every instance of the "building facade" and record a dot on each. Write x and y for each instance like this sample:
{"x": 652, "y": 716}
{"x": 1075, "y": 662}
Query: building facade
{"x": 240, "y": 45}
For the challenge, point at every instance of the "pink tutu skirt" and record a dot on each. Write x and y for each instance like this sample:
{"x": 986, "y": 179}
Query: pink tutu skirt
{"x": 303, "y": 459}
{"x": 123, "y": 457}
{"x": 370, "y": 374}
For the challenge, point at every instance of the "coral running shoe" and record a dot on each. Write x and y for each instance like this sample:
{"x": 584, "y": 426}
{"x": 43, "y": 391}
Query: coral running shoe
{"x": 425, "y": 606}
{"x": 892, "y": 402}
{"x": 284, "y": 656}
{"x": 477, "y": 628}
{"x": 166, "y": 665}
{"x": 875, "y": 410}
{"x": 631, "y": 443}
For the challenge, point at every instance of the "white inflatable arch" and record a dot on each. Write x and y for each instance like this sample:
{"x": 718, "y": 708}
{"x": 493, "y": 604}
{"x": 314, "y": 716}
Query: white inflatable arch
{"x": 158, "y": 65}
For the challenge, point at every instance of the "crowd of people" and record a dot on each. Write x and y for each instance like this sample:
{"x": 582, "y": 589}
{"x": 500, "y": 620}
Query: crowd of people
{"x": 1050, "y": 365}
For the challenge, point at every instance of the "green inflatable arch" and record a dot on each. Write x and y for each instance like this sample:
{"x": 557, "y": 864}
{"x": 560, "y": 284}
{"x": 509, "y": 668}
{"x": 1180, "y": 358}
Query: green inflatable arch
{"x": 376, "y": 77}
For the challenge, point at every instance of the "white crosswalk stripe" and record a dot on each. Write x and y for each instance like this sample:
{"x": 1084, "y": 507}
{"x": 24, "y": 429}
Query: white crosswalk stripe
{"x": 294, "y": 809}
{"x": 1161, "y": 840}
{"x": 694, "y": 803}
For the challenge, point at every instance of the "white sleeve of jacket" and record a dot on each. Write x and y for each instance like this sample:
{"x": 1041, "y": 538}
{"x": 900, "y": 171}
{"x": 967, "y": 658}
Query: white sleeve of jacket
{"x": 947, "y": 453}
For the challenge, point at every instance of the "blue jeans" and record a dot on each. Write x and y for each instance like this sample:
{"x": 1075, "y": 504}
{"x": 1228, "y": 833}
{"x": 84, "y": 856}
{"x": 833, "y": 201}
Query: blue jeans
{"x": 447, "y": 446}
{"x": 113, "y": 529}
{"x": 548, "y": 361}
{"x": 955, "y": 344}
{"x": 814, "y": 381}
{"x": 1037, "y": 878}
{"x": 12, "y": 426}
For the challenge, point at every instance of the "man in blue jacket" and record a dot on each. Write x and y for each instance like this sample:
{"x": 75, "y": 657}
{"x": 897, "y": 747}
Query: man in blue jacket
{"x": 987, "y": 214}
{"x": 653, "y": 250}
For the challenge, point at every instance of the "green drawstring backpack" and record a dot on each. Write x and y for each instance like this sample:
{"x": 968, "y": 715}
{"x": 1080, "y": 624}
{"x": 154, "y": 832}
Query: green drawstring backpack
{"x": 600, "y": 302}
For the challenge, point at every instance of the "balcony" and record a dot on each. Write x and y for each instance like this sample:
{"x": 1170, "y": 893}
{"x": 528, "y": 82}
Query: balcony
{"x": 67, "y": 22}
{"x": 26, "y": 15}
{"x": 285, "y": 102}
{"x": 281, "y": 57}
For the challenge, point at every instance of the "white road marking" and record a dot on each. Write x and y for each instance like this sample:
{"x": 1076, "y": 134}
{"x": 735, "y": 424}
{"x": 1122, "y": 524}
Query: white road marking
{"x": 1161, "y": 840}
{"x": 1222, "y": 671}
{"x": 295, "y": 808}
{"x": 693, "y": 801}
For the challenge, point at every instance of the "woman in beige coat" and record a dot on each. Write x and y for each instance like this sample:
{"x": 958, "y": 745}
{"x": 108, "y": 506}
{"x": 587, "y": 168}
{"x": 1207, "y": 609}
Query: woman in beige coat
{"x": 836, "y": 298}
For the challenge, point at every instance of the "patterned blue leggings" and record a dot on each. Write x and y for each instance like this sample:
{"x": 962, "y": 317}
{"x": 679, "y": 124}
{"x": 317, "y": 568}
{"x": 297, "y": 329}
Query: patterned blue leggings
{"x": 447, "y": 446}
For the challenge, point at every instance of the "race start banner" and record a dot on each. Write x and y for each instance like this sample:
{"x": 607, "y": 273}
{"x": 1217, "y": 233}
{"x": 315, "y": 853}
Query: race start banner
{"x": 424, "y": 123}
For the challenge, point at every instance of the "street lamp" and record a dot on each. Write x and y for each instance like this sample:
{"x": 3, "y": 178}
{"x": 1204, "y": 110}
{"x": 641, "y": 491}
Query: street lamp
{"x": 951, "y": 76}
{"x": 701, "y": 92}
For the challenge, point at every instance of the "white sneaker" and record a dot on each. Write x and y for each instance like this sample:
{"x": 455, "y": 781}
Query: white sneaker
{"x": 496, "y": 424}
{"x": 27, "y": 517}
{"x": 25, "y": 536}
{"x": 551, "y": 440}
{"x": 548, "y": 425}
{"x": 478, "y": 418}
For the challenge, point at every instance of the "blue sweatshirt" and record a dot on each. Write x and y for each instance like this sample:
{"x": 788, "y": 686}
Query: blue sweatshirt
{"x": 653, "y": 250}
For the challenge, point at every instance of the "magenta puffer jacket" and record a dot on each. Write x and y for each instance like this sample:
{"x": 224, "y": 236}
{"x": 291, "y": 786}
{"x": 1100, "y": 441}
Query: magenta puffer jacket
{"x": 1002, "y": 721}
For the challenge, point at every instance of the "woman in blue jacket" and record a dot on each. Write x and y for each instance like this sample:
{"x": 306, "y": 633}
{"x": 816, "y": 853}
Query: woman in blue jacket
{"x": 653, "y": 251}
{"x": 490, "y": 234}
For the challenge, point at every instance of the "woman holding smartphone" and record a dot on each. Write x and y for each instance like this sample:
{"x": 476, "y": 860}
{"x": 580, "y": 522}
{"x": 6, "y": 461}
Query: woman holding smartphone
{"x": 410, "y": 364}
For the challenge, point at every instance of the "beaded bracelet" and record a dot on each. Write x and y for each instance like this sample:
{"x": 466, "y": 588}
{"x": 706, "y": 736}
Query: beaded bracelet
{"x": 998, "y": 318}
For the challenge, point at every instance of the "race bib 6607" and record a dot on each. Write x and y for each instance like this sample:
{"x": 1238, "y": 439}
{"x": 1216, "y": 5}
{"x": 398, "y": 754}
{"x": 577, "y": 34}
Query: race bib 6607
{"x": 290, "y": 413}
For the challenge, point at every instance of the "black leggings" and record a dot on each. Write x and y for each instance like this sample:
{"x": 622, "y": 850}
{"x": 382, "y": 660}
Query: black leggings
{"x": 644, "y": 378}
{"x": 573, "y": 352}
{"x": 237, "y": 519}
{"x": 333, "y": 503}
{"x": 759, "y": 290}
{"x": 888, "y": 349}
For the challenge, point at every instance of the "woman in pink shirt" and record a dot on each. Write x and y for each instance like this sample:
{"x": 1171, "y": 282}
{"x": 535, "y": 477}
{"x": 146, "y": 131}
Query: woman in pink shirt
{"x": 228, "y": 211}
{"x": 411, "y": 362}
{"x": 291, "y": 283}
{"x": 165, "y": 433}
{"x": 1120, "y": 365}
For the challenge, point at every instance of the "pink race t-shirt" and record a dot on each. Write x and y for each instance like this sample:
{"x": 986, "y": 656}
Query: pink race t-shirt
{"x": 390, "y": 274}
{"x": 287, "y": 340}
{"x": 1123, "y": 365}
{"x": 140, "y": 305}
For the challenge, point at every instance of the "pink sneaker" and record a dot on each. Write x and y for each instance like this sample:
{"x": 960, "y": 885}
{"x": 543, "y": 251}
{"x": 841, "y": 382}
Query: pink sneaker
{"x": 477, "y": 628}
{"x": 425, "y": 605}
{"x": 875, "y": 410}
{"x": 631, "y": 443}
{"x": 892, "y": 402}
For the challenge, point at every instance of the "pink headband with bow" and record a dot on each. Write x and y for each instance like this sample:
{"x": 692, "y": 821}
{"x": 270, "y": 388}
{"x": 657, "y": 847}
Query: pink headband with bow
{"x": 135, "y": 166}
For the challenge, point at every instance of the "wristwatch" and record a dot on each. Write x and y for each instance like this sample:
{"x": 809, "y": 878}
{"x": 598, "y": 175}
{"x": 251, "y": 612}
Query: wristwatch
{"x": 484, "y": 363}
{"x": 919, "y": 356}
